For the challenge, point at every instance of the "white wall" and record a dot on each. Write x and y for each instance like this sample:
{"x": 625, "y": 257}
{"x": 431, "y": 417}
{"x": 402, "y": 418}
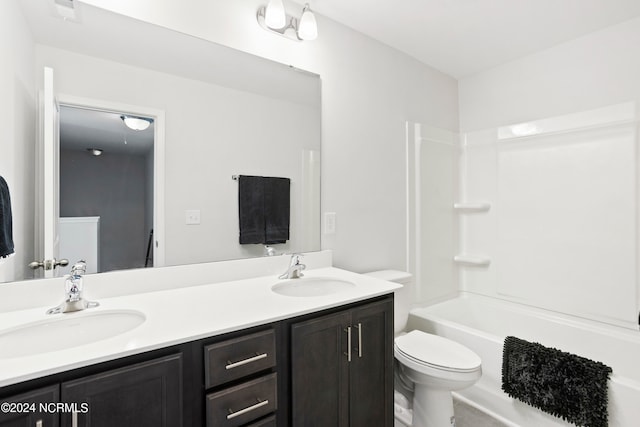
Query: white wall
{"x": 593, "y": 71}
{"x": 368, "y": 92}
{"x": 598, "y": 70}
{"x": 110, "y": 186}
{"x": 17, "y": 133}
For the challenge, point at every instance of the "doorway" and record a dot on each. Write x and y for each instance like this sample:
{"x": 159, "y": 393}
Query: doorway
{"x": 107, "y": 188}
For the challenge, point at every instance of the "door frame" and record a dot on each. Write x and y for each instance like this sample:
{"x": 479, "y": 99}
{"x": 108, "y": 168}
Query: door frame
{"x": 158, "y": 158}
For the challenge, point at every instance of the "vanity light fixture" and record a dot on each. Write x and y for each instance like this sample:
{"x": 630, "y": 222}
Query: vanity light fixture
{"x": 274, "y": 15}
{"x": 308, "y": 28}
{"x": 273, "y": 18}
{"x": 136, "y": 123}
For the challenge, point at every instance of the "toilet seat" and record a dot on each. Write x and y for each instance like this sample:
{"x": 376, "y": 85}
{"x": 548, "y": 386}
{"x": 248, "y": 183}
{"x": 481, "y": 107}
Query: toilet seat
{"x": 435, "y": 352}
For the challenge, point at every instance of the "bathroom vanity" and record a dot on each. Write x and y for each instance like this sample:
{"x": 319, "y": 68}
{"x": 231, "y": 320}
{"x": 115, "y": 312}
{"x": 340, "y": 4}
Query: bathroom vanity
{"x": 290, "y": 360}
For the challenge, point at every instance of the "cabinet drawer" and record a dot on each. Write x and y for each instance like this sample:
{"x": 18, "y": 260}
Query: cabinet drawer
{"x": 238, "y": 357}
{"x": 243, "y": 403}
{"x": 265, "y": 422}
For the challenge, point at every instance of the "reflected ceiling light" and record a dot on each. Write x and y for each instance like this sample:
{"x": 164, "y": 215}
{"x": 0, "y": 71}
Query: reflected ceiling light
{"x": 95, "y": 151}
{"x": 136, "y": 123}
{"x": 305, "y": 28}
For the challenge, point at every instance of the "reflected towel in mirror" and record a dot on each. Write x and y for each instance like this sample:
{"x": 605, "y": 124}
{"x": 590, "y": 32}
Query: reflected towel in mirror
{"x": 6, "y": 221}
{"x": 264, "y": 209}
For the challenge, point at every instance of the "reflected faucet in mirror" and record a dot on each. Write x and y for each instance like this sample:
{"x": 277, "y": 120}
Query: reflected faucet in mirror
{"x": 73, "y": 288}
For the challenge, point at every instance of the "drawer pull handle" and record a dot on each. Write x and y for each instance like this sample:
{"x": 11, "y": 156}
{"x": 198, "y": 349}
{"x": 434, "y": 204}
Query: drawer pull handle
{"x": 260, "y": 404}
{"x": 255, "y": 358}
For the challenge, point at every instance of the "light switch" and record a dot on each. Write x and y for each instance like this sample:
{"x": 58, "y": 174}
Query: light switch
{"x": 192, "y": 217}
{"x": 329, "y": 223}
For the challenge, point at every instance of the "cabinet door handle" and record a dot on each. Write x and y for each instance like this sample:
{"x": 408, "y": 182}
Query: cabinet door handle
{"x": 260, "y": 404}
{"x": 255, "y": 358}
{"x": 359, "y": 339}
{"x": 348, "y": 353}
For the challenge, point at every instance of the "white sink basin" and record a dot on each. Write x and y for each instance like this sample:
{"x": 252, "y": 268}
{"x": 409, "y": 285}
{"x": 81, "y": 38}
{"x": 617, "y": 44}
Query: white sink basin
{"x": 64, "y": 331}
{"x": 311, "y": 286}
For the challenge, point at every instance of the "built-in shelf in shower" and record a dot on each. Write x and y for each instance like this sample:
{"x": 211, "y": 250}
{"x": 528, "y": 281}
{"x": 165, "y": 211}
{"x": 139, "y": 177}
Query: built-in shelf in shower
{"x": 463, "y": 207}
{"x": 473, "y": 260}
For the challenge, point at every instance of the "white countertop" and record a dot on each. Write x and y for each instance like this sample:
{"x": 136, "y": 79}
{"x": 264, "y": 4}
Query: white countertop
{"x": 181, "y": 315}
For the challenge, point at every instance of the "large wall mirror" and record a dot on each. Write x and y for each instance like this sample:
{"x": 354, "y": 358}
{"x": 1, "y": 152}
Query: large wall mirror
{"x": 165, "y": 195}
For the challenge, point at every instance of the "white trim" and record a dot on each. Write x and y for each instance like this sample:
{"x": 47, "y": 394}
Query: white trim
{"x": 612, "y": 114}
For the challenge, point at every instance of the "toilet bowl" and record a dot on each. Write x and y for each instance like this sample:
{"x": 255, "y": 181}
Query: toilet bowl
{"x": 436, "y": 366}
{"x": 428, "y": 367}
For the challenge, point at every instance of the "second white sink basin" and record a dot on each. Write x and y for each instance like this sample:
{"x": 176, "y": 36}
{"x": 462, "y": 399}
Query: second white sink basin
{"x": 64, "y": 331}
{"x": 311, "y": 286}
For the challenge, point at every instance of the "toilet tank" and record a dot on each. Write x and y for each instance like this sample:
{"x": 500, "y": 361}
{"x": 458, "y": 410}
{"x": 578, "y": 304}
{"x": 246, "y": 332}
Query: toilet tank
{"x": 402, "y": 296}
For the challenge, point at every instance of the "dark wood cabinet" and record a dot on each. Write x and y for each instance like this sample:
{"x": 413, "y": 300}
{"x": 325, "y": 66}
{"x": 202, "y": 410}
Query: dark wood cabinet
{"x": 147, "y": 394}
{"x": 342, "y": 368}
{"x": 32, "y": 409}
{"x": 371, "y": 380}
{"x": 320, "y": 371}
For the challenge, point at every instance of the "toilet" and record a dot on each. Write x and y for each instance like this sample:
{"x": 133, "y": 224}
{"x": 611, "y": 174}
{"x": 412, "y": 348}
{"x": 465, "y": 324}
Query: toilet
{"x": 428, "y": 367}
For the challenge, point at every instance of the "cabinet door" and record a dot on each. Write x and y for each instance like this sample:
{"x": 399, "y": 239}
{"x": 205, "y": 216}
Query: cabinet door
{"x": 24, "y": 409}
{"x": 371, "y": 376}
{"x": 320, "y": 372}
{"x": 147, "y": 394}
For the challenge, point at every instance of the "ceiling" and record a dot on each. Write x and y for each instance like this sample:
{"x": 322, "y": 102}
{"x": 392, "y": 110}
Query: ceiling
{"x": 464, "y": 37}
{"x": 81, "y": 129}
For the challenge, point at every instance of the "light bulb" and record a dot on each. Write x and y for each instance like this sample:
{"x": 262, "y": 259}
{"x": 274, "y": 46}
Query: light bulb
{"x": 308, "y": 29}
{"x": 275, "y": 16}
{"x": 136, "y": 123}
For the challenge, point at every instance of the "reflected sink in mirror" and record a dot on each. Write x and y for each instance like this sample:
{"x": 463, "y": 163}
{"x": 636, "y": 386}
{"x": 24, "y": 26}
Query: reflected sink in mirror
{"x": 311, "y": 286}
{"x": 66, "y": 331}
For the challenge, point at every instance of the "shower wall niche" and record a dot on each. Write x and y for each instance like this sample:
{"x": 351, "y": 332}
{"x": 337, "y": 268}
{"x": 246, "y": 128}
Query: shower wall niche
{"x": 548, "y": 214}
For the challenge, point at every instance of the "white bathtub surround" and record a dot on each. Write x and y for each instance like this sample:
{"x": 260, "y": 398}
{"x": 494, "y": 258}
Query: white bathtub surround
{"x": 561, "y": 232}
{"x": 481, "y": 323}
{"x": 432, "y": 230}
{"x": 181, "y": 308}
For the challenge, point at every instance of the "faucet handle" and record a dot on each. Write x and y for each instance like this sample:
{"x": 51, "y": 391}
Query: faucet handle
{"x": 295, "y": 258}
{"x": 79, "y": 268}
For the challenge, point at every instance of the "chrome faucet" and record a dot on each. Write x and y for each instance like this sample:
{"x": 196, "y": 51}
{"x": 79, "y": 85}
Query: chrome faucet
{"x": 295, "y": 268}
{"x": 73, "y": 287}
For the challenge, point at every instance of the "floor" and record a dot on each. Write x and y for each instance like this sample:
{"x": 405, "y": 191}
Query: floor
{"x": 468, "y": 416}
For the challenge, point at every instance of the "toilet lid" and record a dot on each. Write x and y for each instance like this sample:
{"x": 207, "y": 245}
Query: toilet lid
{"x": 437, "y": 351}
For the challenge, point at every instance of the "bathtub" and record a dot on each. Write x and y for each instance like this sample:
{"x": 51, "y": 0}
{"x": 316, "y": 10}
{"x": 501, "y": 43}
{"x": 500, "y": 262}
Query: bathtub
{"x": 481, "y": 323}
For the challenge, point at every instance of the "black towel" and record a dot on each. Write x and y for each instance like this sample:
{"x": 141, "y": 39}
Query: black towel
{"x": 6, "y": 221}
{"x": 276, "y": 209}
{"x": 565, "y": 385}
{"x": 263, "y": 207}
{"x": 251, "y": 209}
